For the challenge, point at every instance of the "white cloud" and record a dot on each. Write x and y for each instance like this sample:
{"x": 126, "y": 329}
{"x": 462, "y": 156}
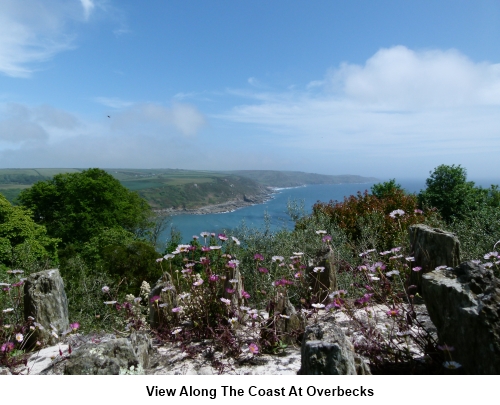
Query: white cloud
{"x": 402, "y": 111}
{"x": 20, "y": 124}
{"x": 88, "y": 7}
{"x": 150, "y": 118}
{"x": 142, "y": 135}
{"x": 34, "y": 31}
{"x": 401, "y": 78}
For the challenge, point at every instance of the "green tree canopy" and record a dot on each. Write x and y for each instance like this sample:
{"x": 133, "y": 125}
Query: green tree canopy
{"x": 456, "y": 198}
{"x": 23, "y": 243}
{"x": 386, "y": 189}
{"x": 77, "y": 206}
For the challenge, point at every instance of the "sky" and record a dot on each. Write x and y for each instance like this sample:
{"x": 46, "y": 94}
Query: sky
{"x": 383, "y": 88}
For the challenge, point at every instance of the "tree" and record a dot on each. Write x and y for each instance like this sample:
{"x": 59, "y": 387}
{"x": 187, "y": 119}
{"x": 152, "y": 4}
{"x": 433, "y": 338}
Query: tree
{"x": 77, "y": 206}
{"x": 449, "y": 191}
{"x": 386, "y": 189}
{"x": 23, "y": 243}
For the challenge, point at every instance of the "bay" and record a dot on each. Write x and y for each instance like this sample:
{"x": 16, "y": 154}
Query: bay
{"x": 276, "y": 209}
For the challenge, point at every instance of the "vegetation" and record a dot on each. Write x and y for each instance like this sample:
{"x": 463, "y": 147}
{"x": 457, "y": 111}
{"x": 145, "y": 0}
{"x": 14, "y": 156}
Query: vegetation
{"x": 23, "y": 243}
{"x": 76, "y": 206}
{"x": 181, "y": 189}
{"x": 228, "y": 287}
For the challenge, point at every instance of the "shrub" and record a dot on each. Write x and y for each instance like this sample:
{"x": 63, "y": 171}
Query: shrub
{"x": 374, "y": 222}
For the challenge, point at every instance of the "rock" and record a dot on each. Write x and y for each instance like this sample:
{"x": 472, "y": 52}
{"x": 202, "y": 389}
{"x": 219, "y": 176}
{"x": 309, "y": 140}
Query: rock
{"x": 42, "y": 361}
{"x": 323, "y": 282}
{"x": 143, "y": 347}
{"x": 236, "y": 297}
{"x": 4, "y": 371}
{"x": 432, "y": 247}
{"x": 464, "y": 304}
{"x": 115, "y": 357}
{"x": 284, "y": 324}
{"x": 46, "y": 301}
{"x": 327, "y": 351}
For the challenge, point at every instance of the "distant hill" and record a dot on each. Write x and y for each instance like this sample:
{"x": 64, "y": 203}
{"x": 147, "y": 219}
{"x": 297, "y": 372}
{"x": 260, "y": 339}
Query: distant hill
{"x": 175, "y": 189}
{"x": 276, "y": 178}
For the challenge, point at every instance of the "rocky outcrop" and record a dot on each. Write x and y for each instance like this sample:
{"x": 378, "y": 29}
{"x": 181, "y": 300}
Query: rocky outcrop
{"x": 46, "y": 301}
{"x": 322, "y": 274}
{"x": 114, "y": 357}
{"x": 464, "y": 304}
{"x": 431, "y": 248}
{"x": 327, "y": 351}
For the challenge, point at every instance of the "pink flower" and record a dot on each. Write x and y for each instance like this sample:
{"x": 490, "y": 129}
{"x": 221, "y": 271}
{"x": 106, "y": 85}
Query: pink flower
{"x": 393, "y": 312}
{"x": 222, "y": 237}
{"x": 258, "y": 257}
{"x": 327, "y": 238}
{"x": 253, "y": 348}
{"x": 244, "y": 294}
{"x": 263, "y": 270}
{"x": 74, "y": 326}
{"x": 417, "y": 268}
{"x": 155, "y": 298}
{"x": 213, "y": 278}
{"x": 7, "y": 347}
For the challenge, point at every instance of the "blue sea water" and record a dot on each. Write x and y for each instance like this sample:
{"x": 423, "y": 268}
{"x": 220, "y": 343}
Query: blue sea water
{"x": 276, "y": 208}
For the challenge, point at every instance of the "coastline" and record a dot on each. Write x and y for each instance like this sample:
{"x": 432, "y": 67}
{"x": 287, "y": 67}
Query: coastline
{"x": 234, "y": 204}
{"x": 224, "y": 207}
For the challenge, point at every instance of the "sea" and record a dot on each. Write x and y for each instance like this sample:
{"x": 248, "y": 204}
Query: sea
{"x": 275, "y": 209}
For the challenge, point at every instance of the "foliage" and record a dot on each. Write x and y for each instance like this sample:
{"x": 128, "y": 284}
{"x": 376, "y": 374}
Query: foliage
{"x": 23, "y": 243}
{"x": 477, "y": 232}
{"x": 449, "y": 191}
{"x": 376, "y": 222}
{"x": 133, "y": 263}
{"x": 386, "y": 189}
{"x": 76, "y": 206}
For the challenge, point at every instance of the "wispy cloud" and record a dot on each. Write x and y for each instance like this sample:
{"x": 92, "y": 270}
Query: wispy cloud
{"x": 34, "y": 31}
{"x": 402, "y": 106}
{"x": 113, "y": 102}
{"x": 88, "y": 7}
{"x": 141, "y": 135}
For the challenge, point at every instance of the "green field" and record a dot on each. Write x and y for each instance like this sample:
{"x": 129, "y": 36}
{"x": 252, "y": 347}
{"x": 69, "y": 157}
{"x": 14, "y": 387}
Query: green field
{"x": 176, "y": 188}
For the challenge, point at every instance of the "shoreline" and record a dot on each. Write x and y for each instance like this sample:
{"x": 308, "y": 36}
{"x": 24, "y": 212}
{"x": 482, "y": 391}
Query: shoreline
{"x": 235, "y": 204}
{"x": 221, "y": 208}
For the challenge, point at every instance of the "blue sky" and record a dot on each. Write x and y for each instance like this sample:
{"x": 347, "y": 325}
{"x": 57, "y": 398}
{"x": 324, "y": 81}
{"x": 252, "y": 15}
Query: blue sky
{"x": 376, "y": 88}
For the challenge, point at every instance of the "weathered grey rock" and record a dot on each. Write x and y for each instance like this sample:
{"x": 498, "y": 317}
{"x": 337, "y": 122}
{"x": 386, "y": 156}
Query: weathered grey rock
{"x": 115, "y": 357}
{"x": 46, "y": 301}
{"x": 432, "y": 247}
{"x": 168, "y": 297}
{"x": 323, "y": 282}
{"x": 143, "y": 347}
{"x": 464, "y": 304}
{"x": 236, "y": 297}
{"x": 327, "y": 351}
{"x": 4, "y": 371}
{"x": 284, "y": 322}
